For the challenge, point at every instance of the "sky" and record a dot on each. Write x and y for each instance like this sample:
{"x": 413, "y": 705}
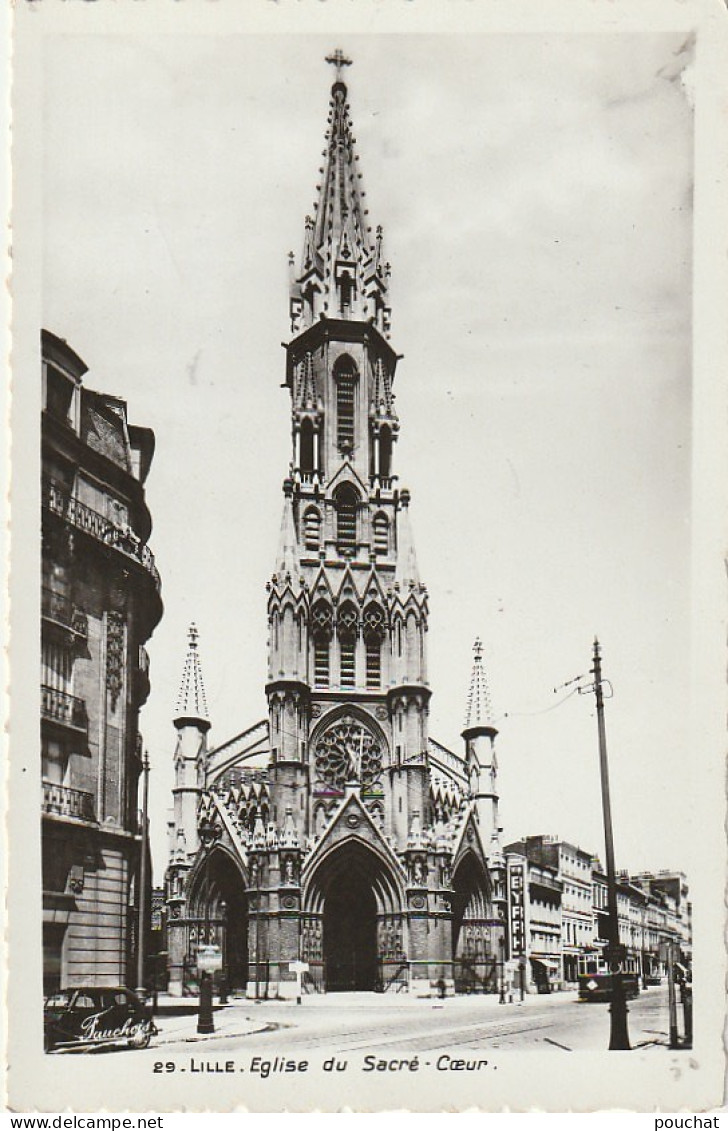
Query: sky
{"x": 536, "y": 198}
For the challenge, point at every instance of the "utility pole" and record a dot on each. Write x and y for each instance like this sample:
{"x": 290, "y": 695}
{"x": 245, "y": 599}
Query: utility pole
{"x": 671, "y": 996}
{"x": 619, "y": 1035}
{"x": 143, "y": 869}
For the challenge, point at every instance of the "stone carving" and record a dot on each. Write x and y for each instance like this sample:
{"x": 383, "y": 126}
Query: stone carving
{"x": 114, "y": 656}
{"x": 347, "y": 751}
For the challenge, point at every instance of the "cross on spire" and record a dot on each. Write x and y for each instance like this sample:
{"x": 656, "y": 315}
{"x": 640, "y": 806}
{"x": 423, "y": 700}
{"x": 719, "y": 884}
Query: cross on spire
{"x": 339, "y": 60}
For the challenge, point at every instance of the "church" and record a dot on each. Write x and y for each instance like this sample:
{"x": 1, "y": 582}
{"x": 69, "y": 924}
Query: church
{"x": 336, "y": 837}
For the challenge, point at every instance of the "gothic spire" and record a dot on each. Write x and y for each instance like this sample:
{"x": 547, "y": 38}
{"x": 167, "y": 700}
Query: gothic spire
{"x": 406, "y": 574}
{"x": 479, "y": 710}
{"x": 287, "y": 565}
{"x": 191, "y": 707}
{"x": 342, "y": 272}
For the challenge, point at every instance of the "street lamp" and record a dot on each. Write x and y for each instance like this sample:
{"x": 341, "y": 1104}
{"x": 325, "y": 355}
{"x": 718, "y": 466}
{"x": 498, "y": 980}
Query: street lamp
{"x": 502, "y": 989}
{"x": 619, "y": 1035}
{"x": 225, "y": 954}
{"x": 143, "y": 869}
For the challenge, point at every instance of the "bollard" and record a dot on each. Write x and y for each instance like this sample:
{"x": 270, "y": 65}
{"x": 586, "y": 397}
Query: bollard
{"x": 205, "y": 1023}
{"x": 686, "y": 997}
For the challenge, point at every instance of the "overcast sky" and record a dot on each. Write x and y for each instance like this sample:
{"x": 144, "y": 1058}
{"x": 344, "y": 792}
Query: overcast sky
{"x": 536, "y": 197}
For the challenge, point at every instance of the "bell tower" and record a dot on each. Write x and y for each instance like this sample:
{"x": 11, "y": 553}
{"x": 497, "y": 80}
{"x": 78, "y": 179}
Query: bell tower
{"x": 479, "y": 736}
{"x": 347, "y": 690}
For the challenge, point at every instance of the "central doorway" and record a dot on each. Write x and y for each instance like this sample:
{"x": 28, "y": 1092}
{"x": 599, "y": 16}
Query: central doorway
{"x": 350, "y": 939}
{"x": 355, "y": 897}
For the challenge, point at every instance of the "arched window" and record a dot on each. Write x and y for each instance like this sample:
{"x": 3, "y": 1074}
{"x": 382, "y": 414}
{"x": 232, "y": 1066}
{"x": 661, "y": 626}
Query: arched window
{"x": 381, "y": 534}
{"x": 345, "y": 376}
{"x": 374, "y": 630}
{"x": 306, "y": 445}
{"x": 385, "y": 452}
{"x": 348, "y": 626}
{"x": 321, "y": 630}
{"x": 346, "y": 289}
{"x": 346, "y": 501}
{"x": 312, "y": 529}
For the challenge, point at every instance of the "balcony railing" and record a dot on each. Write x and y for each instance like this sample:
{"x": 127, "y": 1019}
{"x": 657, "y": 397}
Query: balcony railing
{"x": 62, "y": 708}
{"x": 57, "y": 500}
{"x": 547, "y": 883}
{"x": 57, "y": 607}
{"x": 67, "y": 802}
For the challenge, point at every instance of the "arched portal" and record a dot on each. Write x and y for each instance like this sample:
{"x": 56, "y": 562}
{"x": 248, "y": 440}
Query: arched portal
{"x": 219, "y": 915}
{"x": 350, "y": 939}
{"x": 474, "y": 963}
{"x": 353, "y": 899}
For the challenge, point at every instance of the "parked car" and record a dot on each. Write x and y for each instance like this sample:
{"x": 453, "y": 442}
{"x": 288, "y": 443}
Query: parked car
{"x": 90, "y": 1017}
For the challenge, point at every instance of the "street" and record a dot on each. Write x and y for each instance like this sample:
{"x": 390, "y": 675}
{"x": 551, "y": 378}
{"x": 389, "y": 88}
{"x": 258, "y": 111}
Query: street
{"x": 371, "y": 1023}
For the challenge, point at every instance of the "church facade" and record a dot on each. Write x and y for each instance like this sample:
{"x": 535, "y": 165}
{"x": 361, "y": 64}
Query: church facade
{"x": 336, "y": 833}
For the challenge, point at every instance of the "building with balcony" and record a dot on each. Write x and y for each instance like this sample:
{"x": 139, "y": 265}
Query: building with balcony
{"x": 535, "y": 903}
{"x": 100, "y": 601}
{"x": 573, "y": 865}
{"x": 555, "y": 887}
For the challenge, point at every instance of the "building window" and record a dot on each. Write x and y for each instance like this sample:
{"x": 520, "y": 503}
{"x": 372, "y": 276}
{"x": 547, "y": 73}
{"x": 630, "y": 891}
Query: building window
{"x": 345, "y": 400}
{"x": 346, "y": 505}
{"x": 312, "y": 529}
{"x": 59, "y": 394}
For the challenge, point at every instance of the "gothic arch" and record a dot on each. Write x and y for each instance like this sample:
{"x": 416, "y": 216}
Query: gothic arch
{"x": 218, "y": 912}
{"x": 473, "y": 957}
{"x": 356, "y": 902}
{"x": 348, "y": 709}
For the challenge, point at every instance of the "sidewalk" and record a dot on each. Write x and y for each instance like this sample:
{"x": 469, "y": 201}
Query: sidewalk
{"x": 176, "y": 1020}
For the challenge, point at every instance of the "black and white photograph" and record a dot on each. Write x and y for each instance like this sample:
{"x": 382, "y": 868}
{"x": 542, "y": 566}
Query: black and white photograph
{"x": 367, "y": 572}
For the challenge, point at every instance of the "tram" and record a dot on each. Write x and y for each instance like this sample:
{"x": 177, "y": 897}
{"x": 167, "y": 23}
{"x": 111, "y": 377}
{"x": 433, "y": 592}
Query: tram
{"x": 595, "y": 977}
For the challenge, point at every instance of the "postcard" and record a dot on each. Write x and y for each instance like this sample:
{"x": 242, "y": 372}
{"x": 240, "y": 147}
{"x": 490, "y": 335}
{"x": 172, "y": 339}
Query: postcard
{"x": 368, "y": 538}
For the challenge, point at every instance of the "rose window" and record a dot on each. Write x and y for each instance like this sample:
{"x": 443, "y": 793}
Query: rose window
{"x": 347, "y": 752}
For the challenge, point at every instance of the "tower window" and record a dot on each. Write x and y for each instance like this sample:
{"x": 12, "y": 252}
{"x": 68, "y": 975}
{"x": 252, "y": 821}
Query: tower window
{"x": 321, "y": 629}
{"x": 321, "y": 662}
{"x": 348, "y": 663}
{"x": 312, "y": 529}
{"x": 374, "y": 663}
{"x": 374, "y": 632}
{"x": 306, "y": 449}
{"x": 381, "y": 534}
{"x": 346, "y": 504}
{"x": 385, "y": 452}
{"x": 348, "y": 624}
{"x": 345, "y": 392}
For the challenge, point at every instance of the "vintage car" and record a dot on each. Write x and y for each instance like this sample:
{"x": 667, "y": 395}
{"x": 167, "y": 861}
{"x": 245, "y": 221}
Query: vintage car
{"x": 91, "y": 1017}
